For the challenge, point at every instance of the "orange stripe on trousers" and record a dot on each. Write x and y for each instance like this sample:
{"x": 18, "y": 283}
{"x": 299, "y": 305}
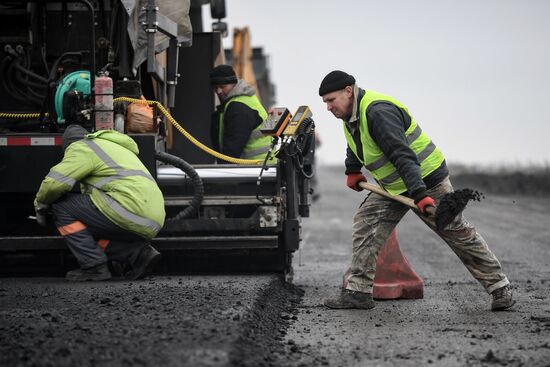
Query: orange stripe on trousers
{"x": 103, "y": 244}
{"x": 71, "y": 228}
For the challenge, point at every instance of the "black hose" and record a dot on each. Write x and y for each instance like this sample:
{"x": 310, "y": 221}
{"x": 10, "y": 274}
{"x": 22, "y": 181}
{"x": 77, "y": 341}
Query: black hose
{"x": 35, "y": 94}
{"x": 264, "y": 167}
{"x": 55, "y": 65}
{"x": 15, "y": 92}
{"x": 10, "y": 79}
{"x": 28, "y": 83}
{"x": 30, "y": 73}
{"x": 196, "y": 180}
{"x": 4, "y": 77}
{"x": 305, "y": 137}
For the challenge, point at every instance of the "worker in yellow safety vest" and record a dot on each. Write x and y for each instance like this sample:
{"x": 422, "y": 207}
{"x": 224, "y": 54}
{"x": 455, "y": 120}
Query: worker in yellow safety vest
{"x": 383, "y": 137}
{"x": 120, "y": 207}
{"x": 237, "y": 120}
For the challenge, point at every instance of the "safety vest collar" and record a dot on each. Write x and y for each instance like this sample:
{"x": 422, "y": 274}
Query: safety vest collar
{"x": 355, "y": 111}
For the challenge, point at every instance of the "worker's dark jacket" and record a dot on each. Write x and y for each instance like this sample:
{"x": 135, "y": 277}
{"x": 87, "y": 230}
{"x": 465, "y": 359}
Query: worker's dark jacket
{"x": 387, "y": 126}
{"x": 239, "y": 121}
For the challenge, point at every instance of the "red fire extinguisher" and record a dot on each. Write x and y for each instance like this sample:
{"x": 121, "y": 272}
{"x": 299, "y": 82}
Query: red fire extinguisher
{"x": 103, "y": 87}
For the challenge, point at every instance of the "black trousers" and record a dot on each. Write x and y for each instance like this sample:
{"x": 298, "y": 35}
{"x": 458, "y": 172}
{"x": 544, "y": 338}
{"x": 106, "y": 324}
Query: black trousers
{"x": 91, "y": 236}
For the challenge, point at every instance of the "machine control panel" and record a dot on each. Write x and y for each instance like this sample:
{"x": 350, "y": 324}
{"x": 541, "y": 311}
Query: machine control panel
{"x": 276, "y": 122}
{"x": 301, "y": 114}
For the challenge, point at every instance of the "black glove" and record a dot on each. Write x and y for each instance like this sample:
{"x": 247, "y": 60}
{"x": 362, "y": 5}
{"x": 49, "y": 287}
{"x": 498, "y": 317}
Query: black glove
{"x": 43, "y": 215}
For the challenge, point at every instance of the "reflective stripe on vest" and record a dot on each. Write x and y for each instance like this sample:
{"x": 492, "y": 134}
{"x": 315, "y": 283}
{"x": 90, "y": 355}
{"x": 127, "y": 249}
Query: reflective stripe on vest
{"x": 127, "y": 215}
{"x": 119, "y": 171}
{"x": 428, "y": 155}
{"x": 252, "y": 153}
{"x": 258, "y": 144}
{"x": 380, "y": 162}
{"x": 421, "y": 156}
{"x": 61, "y": 178}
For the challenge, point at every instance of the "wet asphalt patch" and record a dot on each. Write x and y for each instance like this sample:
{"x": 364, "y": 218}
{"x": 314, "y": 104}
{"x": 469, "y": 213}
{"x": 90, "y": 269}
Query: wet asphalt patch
{"x": 165, "y": 321}
{"x": 261, "y": 342}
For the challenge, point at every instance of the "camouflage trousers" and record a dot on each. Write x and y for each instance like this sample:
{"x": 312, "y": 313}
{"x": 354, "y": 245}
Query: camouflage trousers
{"x": 376, "y": 218}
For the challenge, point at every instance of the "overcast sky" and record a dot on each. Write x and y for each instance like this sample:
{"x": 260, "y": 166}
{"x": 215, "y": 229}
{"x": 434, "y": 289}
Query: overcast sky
{"x": 475, "y": 74}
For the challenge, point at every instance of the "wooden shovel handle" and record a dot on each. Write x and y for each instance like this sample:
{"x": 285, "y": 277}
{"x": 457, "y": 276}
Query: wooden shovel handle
{"x": 377, "y": 189}
{"x": 400, "y": 198}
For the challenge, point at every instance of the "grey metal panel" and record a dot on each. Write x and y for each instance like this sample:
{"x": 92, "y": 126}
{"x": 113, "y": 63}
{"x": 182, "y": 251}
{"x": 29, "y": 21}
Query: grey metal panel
{"x": 34, "y": 243}
{"x": 216, "y": 243}
{"x": 219, "y": 200}
{"x": 194, "y": 100}
{"x": 22, "y": 168}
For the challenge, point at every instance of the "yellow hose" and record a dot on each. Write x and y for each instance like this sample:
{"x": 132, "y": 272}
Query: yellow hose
{"x": 186, "y": 134}
{"x": 168, "y": 116}
{"x": 8, "y": 115}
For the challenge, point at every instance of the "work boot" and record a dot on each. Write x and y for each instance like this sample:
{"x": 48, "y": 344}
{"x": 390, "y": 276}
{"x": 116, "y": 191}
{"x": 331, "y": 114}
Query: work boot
{"x": 350, "y": 299}
{"x": 502, "y": 298}
{"x": 98, "y": 272}
{"x": 144, "y": 264}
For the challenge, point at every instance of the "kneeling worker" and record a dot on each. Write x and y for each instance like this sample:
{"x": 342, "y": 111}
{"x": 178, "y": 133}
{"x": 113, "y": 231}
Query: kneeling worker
{"x": 120, "y": 209}
{"x": 236, "y": 126}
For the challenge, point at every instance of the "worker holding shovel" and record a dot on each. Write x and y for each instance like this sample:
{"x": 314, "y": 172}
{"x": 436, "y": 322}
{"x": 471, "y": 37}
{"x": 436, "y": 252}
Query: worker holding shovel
{"x": 383, "y": 137}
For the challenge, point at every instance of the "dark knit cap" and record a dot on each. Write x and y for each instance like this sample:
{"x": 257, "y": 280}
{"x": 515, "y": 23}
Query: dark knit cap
{"x": 335, "y": 80}
{"x": 73, "y": 133}
{"x": 223, "y": 74}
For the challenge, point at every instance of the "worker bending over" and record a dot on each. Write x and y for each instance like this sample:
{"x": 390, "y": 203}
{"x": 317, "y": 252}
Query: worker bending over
{"x": 119, "y": 210}
{"x": 237, "y": 120}
{"x": 383, "y": 137}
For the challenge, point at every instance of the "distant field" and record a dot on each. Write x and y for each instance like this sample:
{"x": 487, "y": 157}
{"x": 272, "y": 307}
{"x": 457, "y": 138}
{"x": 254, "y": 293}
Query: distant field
{"x": 529, "y": 181}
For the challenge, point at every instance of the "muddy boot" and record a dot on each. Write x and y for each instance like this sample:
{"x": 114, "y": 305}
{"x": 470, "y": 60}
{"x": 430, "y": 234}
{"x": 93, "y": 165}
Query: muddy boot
{"x": 350, "y": 299}
{"x": 144, "y": 264}
{"x": 98, "y": 272}
{"x": 502, "y": 298}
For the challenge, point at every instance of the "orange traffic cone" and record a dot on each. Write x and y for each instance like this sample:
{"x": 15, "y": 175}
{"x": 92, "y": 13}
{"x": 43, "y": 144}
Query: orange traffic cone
{"x": 395, "y": 278}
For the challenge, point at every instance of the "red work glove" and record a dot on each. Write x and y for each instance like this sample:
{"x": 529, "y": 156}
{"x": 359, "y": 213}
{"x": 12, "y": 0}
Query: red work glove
{"x": 354, "y": 179}
{"x": 424, "y": 203}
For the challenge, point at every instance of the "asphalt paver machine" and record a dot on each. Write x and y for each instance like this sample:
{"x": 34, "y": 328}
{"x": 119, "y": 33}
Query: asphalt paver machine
{"x": 138, "y": 67}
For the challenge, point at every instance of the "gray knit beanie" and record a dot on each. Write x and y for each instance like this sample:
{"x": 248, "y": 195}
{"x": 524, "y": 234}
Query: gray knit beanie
{"x": 73, "y": 133}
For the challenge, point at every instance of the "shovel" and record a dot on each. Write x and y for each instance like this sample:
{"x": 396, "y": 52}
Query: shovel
{"x": 449, "y": 207}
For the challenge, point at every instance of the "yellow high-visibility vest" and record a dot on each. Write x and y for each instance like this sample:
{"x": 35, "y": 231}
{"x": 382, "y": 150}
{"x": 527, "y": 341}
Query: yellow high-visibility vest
{"x": 258, "y": 144}
{"x": 429, "y": 156}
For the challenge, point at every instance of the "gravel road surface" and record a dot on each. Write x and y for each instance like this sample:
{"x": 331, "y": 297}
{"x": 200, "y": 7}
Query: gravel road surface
{"x": 452, "y": 325}
{"x": 256, "y": 320}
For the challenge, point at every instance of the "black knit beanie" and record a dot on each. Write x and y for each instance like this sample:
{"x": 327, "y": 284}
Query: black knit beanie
{"x": 335, "y": 80}
{"x": 73, "y": 133}
{"x": 223, "y": 74}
